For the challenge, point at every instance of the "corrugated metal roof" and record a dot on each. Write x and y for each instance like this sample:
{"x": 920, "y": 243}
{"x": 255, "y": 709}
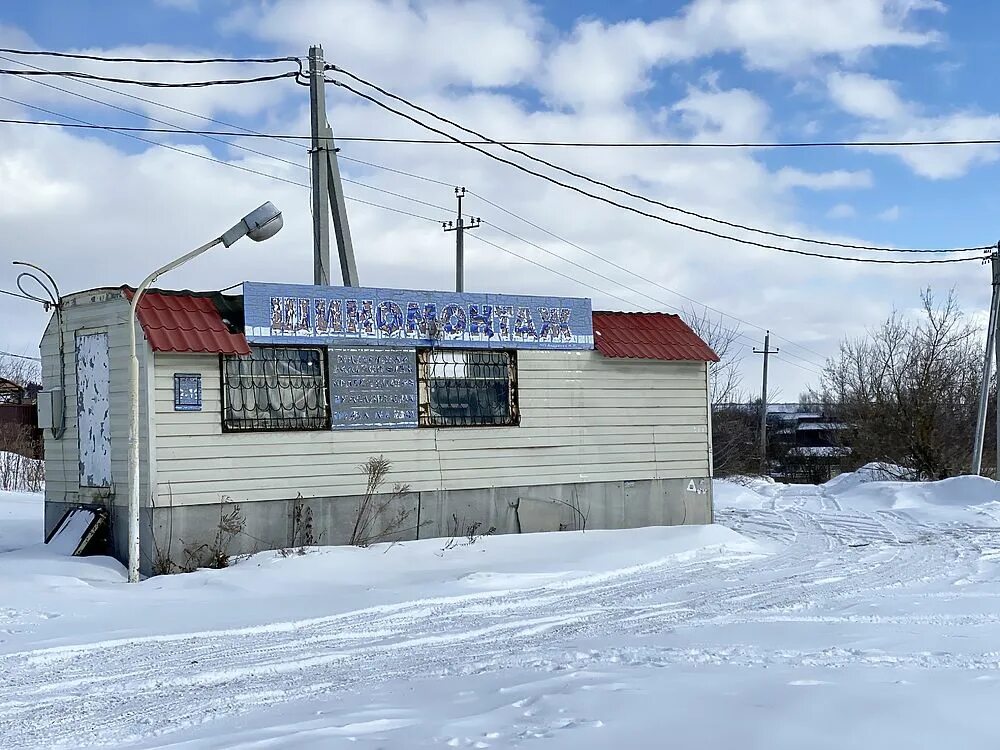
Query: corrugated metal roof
{"x": 641, "y": 335}
{"x": 186, "y": 322}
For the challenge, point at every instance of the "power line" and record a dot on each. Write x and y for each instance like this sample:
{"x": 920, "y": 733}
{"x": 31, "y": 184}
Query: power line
{"x": 550, "y": 269}
{"x": 151, "y": 84}
{"x": 410, "y": 174}
{"x": 136, "y": 129}
{"x": 396, "y": 195}
{"x": 632, "y": 289}
{"x": 632, "y": 273}
{"x": 497, "y": 206}
{"x": 640, "y": 212}
{"x": 584, "y": 283}
{"x": 396, "y": 171}
{"x": 639, "y": 196}
{"x": 669, "y": 144}
{"x": 154, "y": 103}
{"x": 19, "y": 356}
{"x": 16, "y": 294}
{"x": 249, "y": 133}
{"x": 395, "y": 210}
{"x": 178, "y": 129}
{"x": 795, "y": 364}
{"x": 242, "y": 169}
{"x": 182, "y": 60}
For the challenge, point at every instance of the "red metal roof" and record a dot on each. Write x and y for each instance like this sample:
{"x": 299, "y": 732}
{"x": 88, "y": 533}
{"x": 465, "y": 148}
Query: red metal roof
{"x": 179, "y": 322}
{"x": 654, "y": 335}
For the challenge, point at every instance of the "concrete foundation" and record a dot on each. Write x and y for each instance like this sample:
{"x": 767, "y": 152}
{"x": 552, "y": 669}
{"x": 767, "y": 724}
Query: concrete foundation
{"x": 186, "y": 534}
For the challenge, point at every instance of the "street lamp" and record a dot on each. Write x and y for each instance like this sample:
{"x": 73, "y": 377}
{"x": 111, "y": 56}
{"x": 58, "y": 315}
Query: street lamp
{"x": 260, "y": 224}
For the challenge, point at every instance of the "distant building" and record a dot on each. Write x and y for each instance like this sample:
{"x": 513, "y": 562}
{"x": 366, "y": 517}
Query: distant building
{"x": 518, "y": 413}
{"x": 805, "y": 444}
{"x": 19, "y": 419}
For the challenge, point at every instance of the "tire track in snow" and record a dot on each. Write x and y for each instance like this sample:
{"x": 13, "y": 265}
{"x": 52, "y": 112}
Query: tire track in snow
{"x": 120, "y": 691}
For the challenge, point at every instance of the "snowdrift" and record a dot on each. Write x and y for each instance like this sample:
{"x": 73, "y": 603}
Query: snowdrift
{"x": 967, "y": 499}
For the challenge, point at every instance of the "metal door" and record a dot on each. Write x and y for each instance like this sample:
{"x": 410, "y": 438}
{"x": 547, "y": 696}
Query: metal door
{"x": 93, "y": 409}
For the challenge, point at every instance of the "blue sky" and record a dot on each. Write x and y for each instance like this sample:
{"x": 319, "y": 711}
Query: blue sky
{"x": 702, "y": 70}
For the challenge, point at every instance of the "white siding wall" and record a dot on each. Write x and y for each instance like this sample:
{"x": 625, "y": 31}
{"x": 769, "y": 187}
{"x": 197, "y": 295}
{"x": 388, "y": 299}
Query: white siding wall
{"x": 584, "y": 418}
{"x": 102, "y": 311}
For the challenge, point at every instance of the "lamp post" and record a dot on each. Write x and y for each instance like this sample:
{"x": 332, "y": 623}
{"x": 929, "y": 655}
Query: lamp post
{"x": 260, "y": 224}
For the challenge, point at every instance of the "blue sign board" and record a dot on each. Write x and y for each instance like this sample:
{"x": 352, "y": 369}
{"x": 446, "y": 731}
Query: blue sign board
{"x": 372, "y": 386}
{"x": 360, "y": 316}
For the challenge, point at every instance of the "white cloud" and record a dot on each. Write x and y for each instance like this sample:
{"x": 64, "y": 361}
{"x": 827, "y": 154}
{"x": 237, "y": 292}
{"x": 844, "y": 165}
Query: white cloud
{"x": 785, "y": 34}
{"x": 890, "y": 118}
{"x": 470, "y": 42}
{"x": 734, "y": 114}
{"x": 890, "y": 214}
{"x": 841, "y": 211}
{"x": 839, "y": 179}
{"x": 601, "y": 64}
{"x": 864, "y": 96}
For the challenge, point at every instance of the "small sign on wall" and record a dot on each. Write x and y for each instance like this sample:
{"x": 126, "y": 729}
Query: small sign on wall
{"x": 187, "y": 392}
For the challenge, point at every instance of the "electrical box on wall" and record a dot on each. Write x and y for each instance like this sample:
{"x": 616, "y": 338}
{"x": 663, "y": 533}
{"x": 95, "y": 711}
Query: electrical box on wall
{"x": 50, "y": 408}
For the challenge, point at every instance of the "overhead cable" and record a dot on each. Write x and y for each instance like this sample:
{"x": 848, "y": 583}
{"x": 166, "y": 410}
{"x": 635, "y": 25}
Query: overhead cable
{"x": 632, "y": 273}
{"x": 640, "y": 212}
{"x": 151, "y": 84}
{"x": 639, "y": 196}
{"x": 484, "y": 199}
{"x": 249, "y": 133}
{"x": 19, "y": 356}
{"x": 669, "y": 144}
{"x": 152, "y": 102}
{"x": 15, "y": 294}
{"x": 179, "y": 60}
{"x": 234, "y": 166}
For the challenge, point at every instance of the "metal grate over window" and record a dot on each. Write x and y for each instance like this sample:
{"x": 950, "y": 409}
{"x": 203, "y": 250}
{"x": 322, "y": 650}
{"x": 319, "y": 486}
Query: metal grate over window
{"x": 275, "y": 388}
{"x": 467, "y": 388}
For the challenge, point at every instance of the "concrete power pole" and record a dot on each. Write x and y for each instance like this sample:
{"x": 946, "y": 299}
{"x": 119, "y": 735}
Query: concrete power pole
{"x": 327, "y": 190}
{"x": 984, "y": 387}
{"x": 459, "y": 227}
{"x": 767, "y": 351}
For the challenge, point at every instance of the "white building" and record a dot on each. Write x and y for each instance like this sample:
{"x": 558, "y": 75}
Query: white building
{"x": 517, "y": 413}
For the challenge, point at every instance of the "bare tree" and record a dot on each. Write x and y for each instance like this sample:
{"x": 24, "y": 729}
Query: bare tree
{"x": 20, "y": 468}
{"x": 909, "y": 388}
{"x": 724, "y": 376}
{"x": 734, "y": 417}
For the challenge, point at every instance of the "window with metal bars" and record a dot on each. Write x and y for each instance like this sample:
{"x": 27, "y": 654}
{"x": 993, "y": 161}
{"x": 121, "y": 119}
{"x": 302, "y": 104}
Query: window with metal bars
{"x": 275, "y": 388}
{"x": 467, "y": 388}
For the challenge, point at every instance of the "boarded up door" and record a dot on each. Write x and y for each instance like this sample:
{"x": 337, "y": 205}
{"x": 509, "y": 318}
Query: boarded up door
{"x": 93, "y": 402}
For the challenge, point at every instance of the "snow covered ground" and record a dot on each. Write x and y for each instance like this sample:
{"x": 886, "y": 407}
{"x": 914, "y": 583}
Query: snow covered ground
{"x": 852, "y": 615}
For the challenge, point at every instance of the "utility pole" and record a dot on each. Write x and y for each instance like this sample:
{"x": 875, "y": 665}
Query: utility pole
{"x": 767, "y": 351}
{"x": 984, "y": 386}
{"x": 458, "y": 227}
{"x": 327, "y": 190}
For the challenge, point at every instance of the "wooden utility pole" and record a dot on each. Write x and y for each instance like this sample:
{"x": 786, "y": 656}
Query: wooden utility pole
{"x": 767, "y": 351}
{"x": 327, "y": 190}
{"x": 458, "y": 227}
